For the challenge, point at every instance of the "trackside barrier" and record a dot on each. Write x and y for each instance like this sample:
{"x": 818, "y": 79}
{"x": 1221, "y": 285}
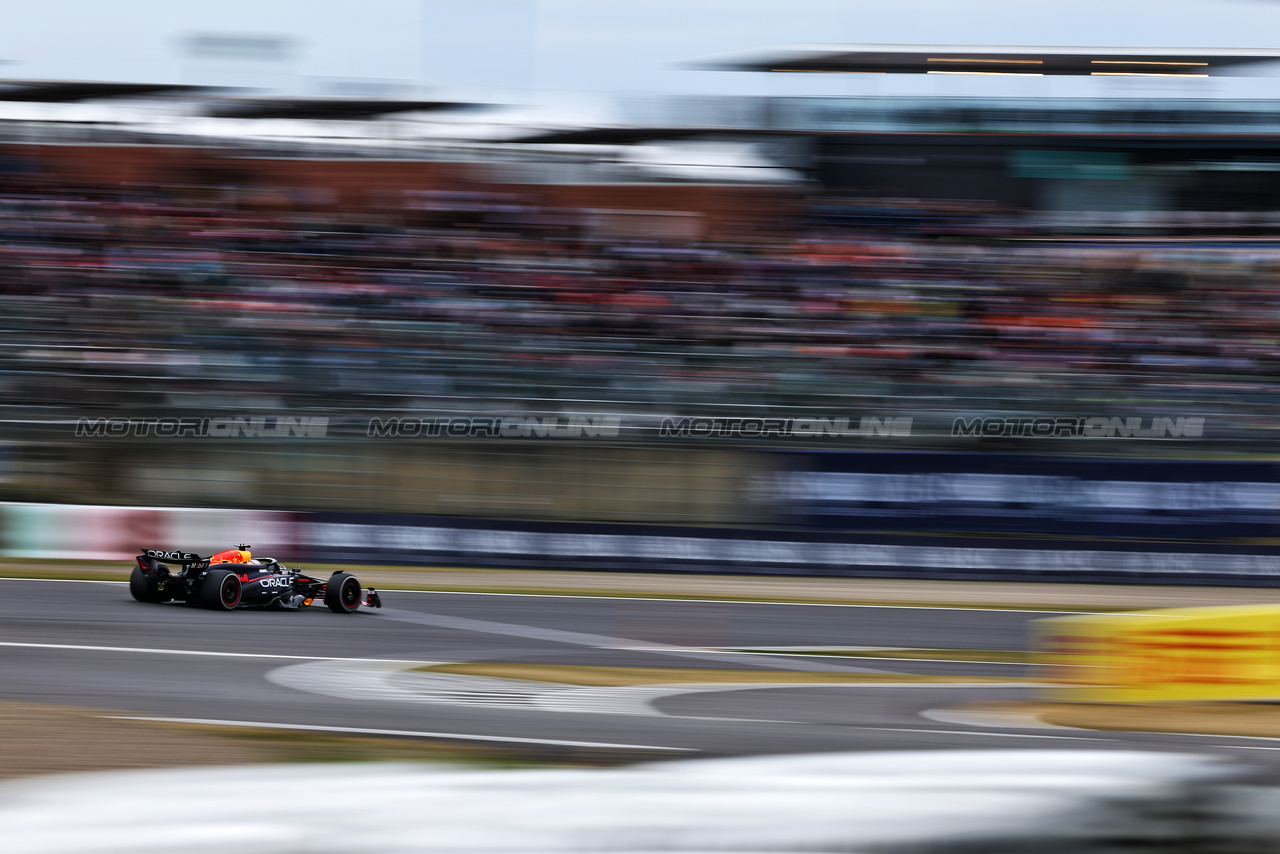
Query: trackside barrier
{"x": 87, "y": 532}
{"x": 1218, "y": 653}
{"x": 472, "y": 542}
{"x": 60, "y": 531}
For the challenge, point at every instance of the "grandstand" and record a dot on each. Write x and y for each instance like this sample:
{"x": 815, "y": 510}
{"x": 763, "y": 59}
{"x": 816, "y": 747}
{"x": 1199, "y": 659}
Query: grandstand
{"x": 923, "y": 275}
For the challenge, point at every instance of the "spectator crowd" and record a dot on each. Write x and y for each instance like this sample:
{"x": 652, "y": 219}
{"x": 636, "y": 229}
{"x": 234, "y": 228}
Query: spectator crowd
{"x": 142, "y": 300}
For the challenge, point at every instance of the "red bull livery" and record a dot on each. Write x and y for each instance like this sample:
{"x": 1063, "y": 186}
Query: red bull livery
{"x": 236, "y": 579}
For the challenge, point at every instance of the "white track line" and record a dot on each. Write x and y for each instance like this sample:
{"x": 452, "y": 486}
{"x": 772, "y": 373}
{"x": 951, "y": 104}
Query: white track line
{"x": 783, "y": 652}
{"x": 1244, "y": 747}
{"x": 1211, "y": 735}
{"x": 1018, "y": 720}
{"x": 997, "y": 720}
{"x": 399, "y": 732}
{"x": 982, "y": 733}
{"x": 202, "y": 652}
{"x": 65, "y": 580}
{"x": 643, "y": 598}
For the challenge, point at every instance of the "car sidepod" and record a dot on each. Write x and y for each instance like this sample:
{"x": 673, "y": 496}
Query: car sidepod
{"x": 264, "y": 588}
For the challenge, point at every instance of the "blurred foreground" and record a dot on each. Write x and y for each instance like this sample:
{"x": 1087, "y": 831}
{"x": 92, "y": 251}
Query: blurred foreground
{"x": 963, "y": 801}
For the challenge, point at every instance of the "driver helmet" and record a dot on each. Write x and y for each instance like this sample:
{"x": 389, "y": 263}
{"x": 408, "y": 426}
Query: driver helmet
{"x": 240, "y": 554}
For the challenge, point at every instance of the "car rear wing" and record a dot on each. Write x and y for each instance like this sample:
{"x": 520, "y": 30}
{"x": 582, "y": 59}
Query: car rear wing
{"x": 152, "y": 557}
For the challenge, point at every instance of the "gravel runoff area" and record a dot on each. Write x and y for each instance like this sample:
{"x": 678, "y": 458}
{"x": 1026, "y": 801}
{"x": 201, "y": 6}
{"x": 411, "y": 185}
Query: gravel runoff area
{"x": 882, "y": 591}
{"x": 47, "y": 739}
{"x": 41, "y": 739}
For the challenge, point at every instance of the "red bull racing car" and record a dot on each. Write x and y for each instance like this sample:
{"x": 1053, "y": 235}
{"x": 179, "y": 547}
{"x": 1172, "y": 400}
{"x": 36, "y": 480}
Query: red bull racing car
{"x": 235, "y": 579}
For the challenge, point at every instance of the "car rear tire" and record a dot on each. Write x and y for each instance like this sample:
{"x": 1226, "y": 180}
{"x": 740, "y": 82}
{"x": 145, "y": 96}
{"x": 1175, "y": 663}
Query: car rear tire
{"x": 143, "y": 588}
{"x": 220, "y": 590}
{"x": 342, "y": 593}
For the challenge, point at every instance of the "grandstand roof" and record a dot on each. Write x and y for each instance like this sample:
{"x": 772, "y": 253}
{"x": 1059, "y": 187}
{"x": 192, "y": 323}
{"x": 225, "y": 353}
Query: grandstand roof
{"x": 325, "y": 108}
{"x": 623, "y": 135}
{"x": 69, "y": 91}
{"x": 997, "y": 60}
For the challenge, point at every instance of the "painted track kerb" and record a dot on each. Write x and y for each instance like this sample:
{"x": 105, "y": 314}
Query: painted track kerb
{"x": 407, "y": 683}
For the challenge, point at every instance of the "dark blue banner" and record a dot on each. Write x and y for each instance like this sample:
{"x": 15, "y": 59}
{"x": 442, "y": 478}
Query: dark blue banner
{"x": 466, "y": 542}
{"x": 1011, "y": 493}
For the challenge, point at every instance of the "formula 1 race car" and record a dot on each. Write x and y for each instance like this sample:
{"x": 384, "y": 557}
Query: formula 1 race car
{"x": 234, "y": 579}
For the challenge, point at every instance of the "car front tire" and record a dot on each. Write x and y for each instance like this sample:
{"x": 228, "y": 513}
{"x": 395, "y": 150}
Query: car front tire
{"x": 342, "y": 593}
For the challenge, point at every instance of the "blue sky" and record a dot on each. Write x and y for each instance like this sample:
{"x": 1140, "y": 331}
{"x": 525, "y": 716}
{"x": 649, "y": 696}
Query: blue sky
{"x": 516, "y": 48}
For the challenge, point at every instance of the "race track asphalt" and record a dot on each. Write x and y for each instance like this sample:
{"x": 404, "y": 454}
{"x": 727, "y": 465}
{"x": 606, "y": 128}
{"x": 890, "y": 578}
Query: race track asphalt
{"x": 88, "y": 644}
